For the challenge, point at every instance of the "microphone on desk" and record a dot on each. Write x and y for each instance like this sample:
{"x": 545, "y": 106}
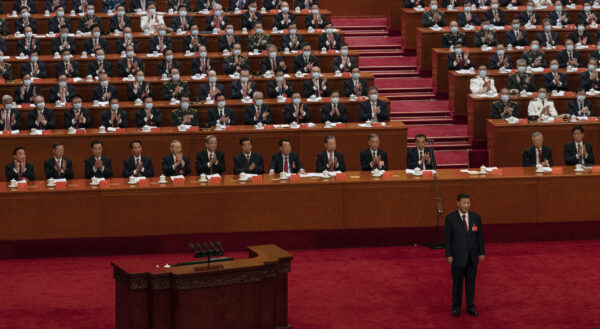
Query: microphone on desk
{"x": 220, "y": 247}
{"x": 203, "y": 253}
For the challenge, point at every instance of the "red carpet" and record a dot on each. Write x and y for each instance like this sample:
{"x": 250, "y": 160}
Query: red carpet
{"x": 521, "y": 285}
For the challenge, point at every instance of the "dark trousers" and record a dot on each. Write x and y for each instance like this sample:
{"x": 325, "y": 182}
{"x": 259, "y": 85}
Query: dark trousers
{"x": 462, "y": 274}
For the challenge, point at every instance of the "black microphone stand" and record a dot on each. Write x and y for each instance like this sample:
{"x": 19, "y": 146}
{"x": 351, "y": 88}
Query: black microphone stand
{"x": 438, "y": 198}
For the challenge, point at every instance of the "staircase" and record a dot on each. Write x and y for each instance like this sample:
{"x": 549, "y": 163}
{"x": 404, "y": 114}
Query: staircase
{"x": 412, "y": 99}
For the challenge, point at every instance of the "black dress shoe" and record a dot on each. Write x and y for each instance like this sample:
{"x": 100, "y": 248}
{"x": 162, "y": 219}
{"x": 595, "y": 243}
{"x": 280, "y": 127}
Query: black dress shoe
{"x": 455, "y": 313}
{"x": 473, "y": 312}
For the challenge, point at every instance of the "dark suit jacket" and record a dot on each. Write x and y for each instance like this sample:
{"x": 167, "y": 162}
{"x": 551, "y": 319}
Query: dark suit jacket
{"x": 571, "y": 154}
{"x": 293, "y": 159}
{"x": 582, "y": 17}
{"x": 273, "y": 92}
{"x": 494, "y": 62}
{"x": 324, "y": 42}
{"x": 286, "y": 42}
{"x": 250, "y": 113}
{"x": 141, "y": 92}
{"x": 337, "y": 64}
{"x": 89, "y": 165}
{"x": 266, "y": 65}
{"x": 120, "y": 45}
{"x": 310, "y": 88}
{"x": 30, "y": 4}
{"x": 412, "y": 158}
{"x": 213, "y": 116}
{"x": 176, "y": 23}
{"x": 279, "y": 20}
{"x": 57, "y": 43}
{"x": 489, "y": 14}
{"x": 25, "y": 48}
{"x": 578, "y": 38}
{"x": 154, "y": 42}
{"x": 322, "y": 163}
{"x": 300, "y": 64}
{"x": 541, "y": 37}
{"x": 563, "y": 58}
{"x": 554, "y": 17}
{"x": 241, "y": 4}
{"x": 413, "y": 3}
{"x": 31, "y": 92}
{"x": 167, "y": 166}
{"x": 246, "y": 22}
{"x": 366, "y": 113}
{"x": 461, "y": 19}
{"x": 20, "y": 25}
{"x": 366, "y": 157}
{"x": 129, "y": 167}
{"x": 288, "y": 114}
{"x": 460, "y": 65}
{"x": 209, "y": 23}
{"x": 54, "y": 25}
{"x": 524, "y": 17}
{"x": 573, "y": 107}
{"x": 187, "y": 43}
{"x": 224, "y": 44}
{"x": 88, "y": 45}
{"x": 26, "y": 69}
{"x": 106, "y": 119}
{"x": 11, "y": 174}
{"x": 17, "y": 125}
{"x": 47, "y": 113}
{"x": 349, "y": 87}
{"x": 197, "y": 66}
{"x": 529, "y": 156}
{"x": 99, "y": 91}
{"x": 162, "y": 67}
{"x": 54, "y": 93}
{"x": 236, "y": 89}
{"x": 202, "y": 163}
{"x": 308, "y": 21}
{"x": 140, "y": 115}
{"x": 550, "y": 85}
{"x": 511, "y": 38}
{"x": 588, "y": 83}
{"x": 52, "y": 173}
{"x": 205, "y": 90}
{"x": 60, "y": 69}
{"x": 93, "y": 67}
{"x": 513, "y": 84}
{"x": 124, "y": 71}
{"x": 461, "y": 244}
{"x": 241, "y": 164}
{"x": 271, "y": 4}
{"x": 114, "y": 23}
{"x": 70, "y": 114}
{"x": 326, "y": 113}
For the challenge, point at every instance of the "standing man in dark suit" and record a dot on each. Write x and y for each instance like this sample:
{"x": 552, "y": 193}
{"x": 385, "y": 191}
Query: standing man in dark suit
{"x": 373, "y": 157}
{"x": 578, "y": 151}
{"x": 465, "y": 248}
{"x": 98, "y": 165}
{"x": 19, "y": 168}
{"x": 248, "y": 162}
{"x": 538, "y": 153}
{"x": 420, "y": 156}
{"x": 137, "y": 164}
{"x": 58, "y": 166}
{"x": 330, "y": 159}
{"x": 286, "y": 160}
{"x": 373, "y": 109}
{"x": 210, "y": 161}
{"x": 176, "y": 163}
{"x": 581, "y": 106}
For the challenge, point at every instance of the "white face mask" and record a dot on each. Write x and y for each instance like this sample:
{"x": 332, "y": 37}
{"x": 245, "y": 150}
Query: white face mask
{"x": 140, "y": 79}
{"x": 114, "y": 107}
{"x": 27, "y": 82}
{"x": 229, "y": 31}
{"x": 90, "y": 12}
{"x": 152, "y": 11}
{"x": 41, "y": 106}
{"x": 373, "y": 97}
{"x": 104, "y": 83}
{"x": 149, "y": 106}
{"x": 185, "y": 105}
{"x": 203, "y": 54}
{"x": 335, "y": 100}
{"x": 221, "y": 104}
{"x": 120, "y": 13}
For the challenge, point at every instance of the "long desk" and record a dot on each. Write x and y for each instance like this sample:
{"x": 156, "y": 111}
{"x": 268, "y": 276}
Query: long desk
{"x": 177, "y": 40}
{"x": 185, "y": 61}
{"x": 427, "y": 39}
{"x": 276, "y": 108}
{"x": 200, "y": 18}
{"x": 358, "y": 202}
{"x": 507, "y": 141}
{"x": 478, "y": 57}
{"x": 85, "y": 88}
{"x": 411, "y": 19}
{"x": 307, "y": 142}
{"x": 459, "y": 85}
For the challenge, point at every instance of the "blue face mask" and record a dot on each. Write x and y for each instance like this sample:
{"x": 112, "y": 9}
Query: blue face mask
{"x": 504, "y": 98}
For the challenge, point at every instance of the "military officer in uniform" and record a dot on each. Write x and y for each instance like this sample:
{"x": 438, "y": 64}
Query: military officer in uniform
{"x": 534, "y": 57}
{"x": 433, "y": 16}
{"x": 521, "y": 80}
{"x": 259, "y": 40}
{"x": 185, "y": 115}
{"x": 86, "y": 22}
{"x": 236, "y": 62}
{"x": 485, "y": 36}
{"x": 504, "y": 108}
{"x": 175, "y": 88}
{"x": 453, "y": 37}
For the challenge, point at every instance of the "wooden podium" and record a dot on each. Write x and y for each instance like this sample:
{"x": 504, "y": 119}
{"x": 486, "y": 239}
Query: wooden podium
{"x": 247, "y": 293}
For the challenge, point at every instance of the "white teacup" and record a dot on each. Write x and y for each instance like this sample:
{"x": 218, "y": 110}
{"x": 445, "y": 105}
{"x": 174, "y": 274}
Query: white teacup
{"x": 324, "y": 50}
{"x": 131, "y": 179}
{"x": 256, "y": 50}
{"x": 282, "y": 175}
{"x": 101, "y": 129}
{"x": 243, "y": 176}
{"x": 369, "y": 123}
{"x": 13, "y": 183}
{"x": 162, "y": 179}
{"x": 578, "y": 166}
{"x": 94, "y": 180}
{"x": 51, "y": 182}
{"x": 326, "y": 174}
{"x": 146, "y": 128}
{"x": 539, "y": 168}
{"x": 327, "y": 124}
{"x": 203, "y": 178}
{"x": 286, "y": 50}
{"x": 89, "y": 77}
{"x": 71, "y": 130}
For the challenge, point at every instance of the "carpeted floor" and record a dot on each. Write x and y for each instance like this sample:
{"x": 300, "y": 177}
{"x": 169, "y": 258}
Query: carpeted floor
{"x": 520, "y": 285}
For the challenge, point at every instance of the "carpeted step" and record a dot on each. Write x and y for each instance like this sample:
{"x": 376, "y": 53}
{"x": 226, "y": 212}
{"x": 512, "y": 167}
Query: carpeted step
{"x": 452, "y": 158}
{"x": 447, "y": 146}
{"x": 393, "y": 74}
{"x": 365, "y": 34}
{"x": 373, "y": 52}
{"x": 419, "y": 106}
{"x": 453, "y": 132}
{"x": 426, "y": 96}
{"x": 422, "y": 120}
{"x": 403, "y": 84}
{"x": 374, "y": 43}
{"x": 390, "y": 61}
{"x": 356, "y": 21}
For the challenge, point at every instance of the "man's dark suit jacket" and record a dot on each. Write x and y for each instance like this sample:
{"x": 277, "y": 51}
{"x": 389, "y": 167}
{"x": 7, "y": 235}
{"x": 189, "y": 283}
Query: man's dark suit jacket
{"x": 54, "y": 93}
{"x": 582, "y": 17}
{"x": 461, "y": 19}
{"x": 366, "y": 157}
{"x": 26, "y": 69}
{"x": 29, "y": 95}
{"x": 93, "y": 67}
{"x": 11, "y": 174}
{"x": 573, "y": 107}
{"x": 202, "y": 163}
{"x": 524, "y": 17}
{"x": 250, "y": 113}
{"x": 60, "y": 69}
{"x": 266, "y": 65}
{"x": 241, "y": 164}
{"x": 140, "y": 114}
{"x": 167, "y": 166}
{"x": 349, "y": 87}
{"x": 529, "y": 156}
{"x": 20, "y": 25}
{"x": 323, "y": 161}
{"x": 141, "y": 92}
{"x": 310, "y": 88}
{"x": 99, "y": 91}
{"x": 550, "y": 85}
{"x": 17, "y": 125}
{"x": 122, "y": 47}
{"x": 494, "y": 62}
{"x": 412, "y": 158}
{"x": 541, "y": 37}
{"x": 489, "y": 14}
{"x": 224, "y": 44}
{"x": 563, "y": 58}
{"x": 511, "y": 38}
{"x": 300, "y": 64}
{"x": 162, "y": 67}
{"x": 22, "y": 46}
{"x": 288, "y": 113}
{"x": 129, "y": 167}
{"x": 197, "y": 67}
{"x": 88, "y": 45}
{"x": 70, "y": 114}
{"x": 461, "y": 244}
{"x": 47, "y": 113}
{"x": 366, "y": 113}
{"x": 52, "y": 173}
{"x": 205, "y": 90}
{"x": 338, "y": 61}
{"x": 122, "y": 66}
{"x": 106, "y": 119}
{"x": 236, "y": 90}
{"x": 114, "y": 23}
{"x": 54, "y": 25}
{"x": 273, "y": 93}
{"x": 154, "y": 42}
{"x": 586, "y": 82}
{"x": 57, "y": 42}
{"x": 554, "y": 17}
{"x": 277, "y": 163}
{"x": 570, "y": 154}
{"x": 336, "y": 42}
{"x": 89, "y": 165}
{"x": 326, "y": 113}
{"x": 209, "y": 23}
{"x": 176, "y": 22}
{"x": 213, "y": 116}
{"x": 286, "y": 42}
{"x": 278, "y": 20}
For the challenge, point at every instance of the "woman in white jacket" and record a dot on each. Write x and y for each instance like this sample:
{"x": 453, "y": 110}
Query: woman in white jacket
{"x": 151, "y": 20}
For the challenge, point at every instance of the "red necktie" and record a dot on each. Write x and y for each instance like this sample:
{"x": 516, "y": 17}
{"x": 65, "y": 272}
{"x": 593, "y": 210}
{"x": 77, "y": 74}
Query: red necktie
{"x": 248, "y": 158}
{"x": 20, "y": 172}
{"x": 285, "y": 164}
{"x": 137, "y": 163}
{"x": 274, "y": 66}
{"x": 540, "y": 155}
{"x": 464, "y": 220}
{"x": 421, "y": 159}
{"x": 211, "y": 167}
{"x": 357, "y": 88}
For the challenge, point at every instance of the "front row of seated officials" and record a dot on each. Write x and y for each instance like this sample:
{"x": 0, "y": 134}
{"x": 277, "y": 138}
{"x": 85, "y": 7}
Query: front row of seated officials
{"x": 575, "y": 152}
{"x": 209, "y": 161}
